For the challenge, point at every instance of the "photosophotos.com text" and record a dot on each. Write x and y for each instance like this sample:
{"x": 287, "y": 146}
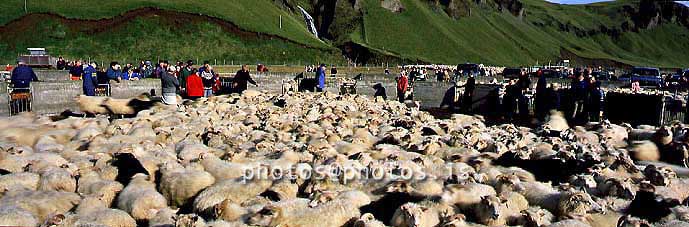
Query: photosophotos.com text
{"x": 348, "y": 173}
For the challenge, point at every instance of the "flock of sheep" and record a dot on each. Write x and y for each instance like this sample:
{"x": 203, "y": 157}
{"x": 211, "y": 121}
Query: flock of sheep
{"x": 189, "y": 166}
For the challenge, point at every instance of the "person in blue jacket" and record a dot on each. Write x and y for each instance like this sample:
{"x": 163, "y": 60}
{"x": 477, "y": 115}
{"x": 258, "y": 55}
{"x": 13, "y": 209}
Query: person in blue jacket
{"x": 89, "y": 80}
{"x": 320, "y": 75}
{"x": 114, "y": 72}
{"x": 22, "y": 76}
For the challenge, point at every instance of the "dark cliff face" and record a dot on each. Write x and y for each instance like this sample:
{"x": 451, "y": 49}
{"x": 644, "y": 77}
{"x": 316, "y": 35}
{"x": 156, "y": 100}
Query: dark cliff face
{"x": 649, "y": 14}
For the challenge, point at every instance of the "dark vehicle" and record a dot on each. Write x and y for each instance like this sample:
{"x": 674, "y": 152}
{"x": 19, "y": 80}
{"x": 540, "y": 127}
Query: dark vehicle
{"x": 603, "y": 75}
{"x": 549, "y": 73}
{"x": 511, "y": 73}
{"x": 469, "y": 68}
{"x": 647, "y": 76}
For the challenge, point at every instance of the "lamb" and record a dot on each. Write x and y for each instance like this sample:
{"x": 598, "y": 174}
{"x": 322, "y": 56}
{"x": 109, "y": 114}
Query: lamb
{"x": 41, "y": 203}
{"x": 140, "y": 199}
{"x": 91, "y": 104}
{"x": 179, "y": 185}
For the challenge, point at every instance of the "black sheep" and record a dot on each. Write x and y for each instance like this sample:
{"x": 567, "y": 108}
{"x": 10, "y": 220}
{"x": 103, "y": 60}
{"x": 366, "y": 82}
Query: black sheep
{"x": 650, "y": 206}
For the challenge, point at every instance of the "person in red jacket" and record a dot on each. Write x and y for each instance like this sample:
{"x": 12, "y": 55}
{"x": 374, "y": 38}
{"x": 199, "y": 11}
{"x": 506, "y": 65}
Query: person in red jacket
{"x": 194, "y": 85}
{"x": 402, "y": 84}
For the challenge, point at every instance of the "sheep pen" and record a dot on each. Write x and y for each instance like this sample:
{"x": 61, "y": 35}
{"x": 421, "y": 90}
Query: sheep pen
{"x": 321, "y": 159}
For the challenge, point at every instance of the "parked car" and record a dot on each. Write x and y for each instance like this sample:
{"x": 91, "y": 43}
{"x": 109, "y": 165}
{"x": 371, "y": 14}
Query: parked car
{"x": 647, "y": 76}
{"x": 511, "y": 73}
{"x": 469, "y": 68}
{"x": 549, "y": 73}
{"x": 604, "y": 75}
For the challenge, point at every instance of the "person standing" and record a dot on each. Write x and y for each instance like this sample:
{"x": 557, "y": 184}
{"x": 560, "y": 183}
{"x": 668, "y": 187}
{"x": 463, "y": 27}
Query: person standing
{"x": 468, "y": 97}
{"x": 90, "y": 80}
{"x": 186, "y": 72}
{"x": 380, "y": 91}
{"x": 541, "y": 97}
{"x": 77, "y": 71}
{"x": 61, "y": 64}
{"x": 320, "y": 76}
{"x": 402, "y": 86}
{"x": 208, "y": 80}
{"x": 194, "y": 85}
{"x": 241, "y": 79}
{"x": 596, "y": 100}
{"x": 509, "y": 100}
{"x": 22, "y": 76}
{"x": 114, "y": 72}
{"x": 523, "y": 101}
{"x": 170, "y": 86}
{"x": 161, "y": 69}
{"x": 333, "y": 70}
{"x": 579, "y": 92}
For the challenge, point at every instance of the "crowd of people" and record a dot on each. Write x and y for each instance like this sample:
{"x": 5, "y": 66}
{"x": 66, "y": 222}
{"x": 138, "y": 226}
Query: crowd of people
{"x": 586, "y": 96}
{"x": 181, "y": 78}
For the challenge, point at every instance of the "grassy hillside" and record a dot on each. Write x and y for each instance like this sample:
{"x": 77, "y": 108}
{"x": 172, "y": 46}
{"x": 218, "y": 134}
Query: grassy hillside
{"x": 159, "y": 37}
{"x": 424, "y": 31}
{"x": 496, "y": 37}
{"x": 254, "y": 15}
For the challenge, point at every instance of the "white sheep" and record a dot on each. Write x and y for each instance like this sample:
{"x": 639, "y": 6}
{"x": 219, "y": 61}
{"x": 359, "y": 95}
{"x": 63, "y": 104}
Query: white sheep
{"x": 180, "y": 185}
{"x": 164, "y": 218}
{"x": 232, "y": 191}
{"x": 16, "y": 216}
{"x": 467, "y": 195}
{"x": 333, "y": 213}
{"x": 57, "y": 179}
{"x": 90, "y": 183}
{"x": 140, "y": 199}
{"x": 91, "y": 104}
{"x": 41, "y": 203}
{"x": 24, "y": 180}
{"x": 412, "y": 214}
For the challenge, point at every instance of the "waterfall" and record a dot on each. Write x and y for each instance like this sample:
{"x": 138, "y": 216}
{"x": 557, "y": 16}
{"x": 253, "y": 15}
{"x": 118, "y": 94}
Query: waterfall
{"x": 309, "y": 21}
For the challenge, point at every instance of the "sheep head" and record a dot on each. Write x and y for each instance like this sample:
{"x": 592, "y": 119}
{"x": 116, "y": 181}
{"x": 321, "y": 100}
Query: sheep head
{"x": 456, "y": 220}
{"x": 659, "y": 176}
{"x": 619, "y": 188}
{"x": 578, "y": 203}
{"x": 490, "y": 210}
{"x": 535, "y": 217}
{"x": 413, "y": 214}
{"x": 629, "y": 221}
{"x": 399, "y": 187}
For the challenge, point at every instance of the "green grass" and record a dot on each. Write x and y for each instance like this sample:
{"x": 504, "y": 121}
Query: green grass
{"x": 157, "y": 38}
{"x": 492, "y": 37}
{"x": 254, "y": 15}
